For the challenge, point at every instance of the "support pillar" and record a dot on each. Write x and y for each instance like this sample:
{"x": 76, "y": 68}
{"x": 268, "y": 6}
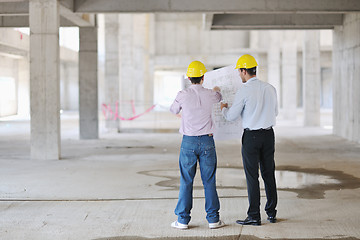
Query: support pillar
{"x": 44, "y": 79}
{"x": 273, "y": 56}
{"x": 112, "y": 70}
{"x": 150, "y": 53}
{"x": 135, "y": 80}
{"x": 128, "y": 65}
{"x": 289, "y": 68}
{"x": 88, "y": 84}
{"x": 346, "y": 80}
{"x": 311, "y": 78}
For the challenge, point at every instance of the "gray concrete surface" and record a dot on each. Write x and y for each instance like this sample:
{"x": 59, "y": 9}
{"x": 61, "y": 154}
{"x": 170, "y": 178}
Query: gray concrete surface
{"x": 125, "y": 186}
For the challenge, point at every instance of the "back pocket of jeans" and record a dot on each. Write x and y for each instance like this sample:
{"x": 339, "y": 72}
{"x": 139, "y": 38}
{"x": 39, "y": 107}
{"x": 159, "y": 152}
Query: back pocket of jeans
{"x": 188, "y": 156}
{"x": 210, "y": 155}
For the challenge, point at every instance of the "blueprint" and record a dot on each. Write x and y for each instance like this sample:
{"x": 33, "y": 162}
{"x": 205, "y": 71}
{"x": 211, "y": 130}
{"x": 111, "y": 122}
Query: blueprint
{"x": 229, "y": 81}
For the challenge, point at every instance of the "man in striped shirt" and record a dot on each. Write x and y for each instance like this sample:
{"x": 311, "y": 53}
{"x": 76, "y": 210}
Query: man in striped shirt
{"x": 196, "y": 103}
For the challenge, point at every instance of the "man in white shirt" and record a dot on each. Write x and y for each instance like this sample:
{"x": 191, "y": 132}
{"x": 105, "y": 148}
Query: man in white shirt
{"x": 256, "y": 103}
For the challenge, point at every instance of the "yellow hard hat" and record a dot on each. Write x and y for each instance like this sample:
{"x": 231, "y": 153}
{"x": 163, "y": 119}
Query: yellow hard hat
{"x": 196, "y": 69}
{"x": 246, "y": 61}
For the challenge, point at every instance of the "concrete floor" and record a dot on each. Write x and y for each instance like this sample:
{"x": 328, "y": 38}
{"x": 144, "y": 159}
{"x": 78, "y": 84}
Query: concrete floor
{"x": 125, "y": 186}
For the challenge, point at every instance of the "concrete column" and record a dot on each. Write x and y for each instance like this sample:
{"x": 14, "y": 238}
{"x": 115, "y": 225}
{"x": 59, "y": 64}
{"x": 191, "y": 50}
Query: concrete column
{"x": 142, "y": 41}
{"x": 273, "y": 59}
{"x": 289, "y": 68}
{"x": 311, "y": 78}
{"x": 134, "y": 63}
{"x": 149, "y": 82}
{"x": 128, "y": 65}
{"x": 44, "y": 79}
{"x": 112, "y": 69}
{"x": 88, "y": 84}
{"x": 346, "y": 80}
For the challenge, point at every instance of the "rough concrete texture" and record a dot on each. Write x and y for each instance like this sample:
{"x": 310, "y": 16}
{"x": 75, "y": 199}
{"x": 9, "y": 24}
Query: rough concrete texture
{"x": 44, "y": 79}
{"x": 311, "y": 78}
{"x": 88, "y": 83}
{"x": 289, "y": 66}
{"x": 125, "y": 186}
{"x": 346, "y": 55}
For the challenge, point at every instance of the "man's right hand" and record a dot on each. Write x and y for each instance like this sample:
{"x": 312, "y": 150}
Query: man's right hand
{"x": 223, "y": 105}
{"x": 216, "y": 89}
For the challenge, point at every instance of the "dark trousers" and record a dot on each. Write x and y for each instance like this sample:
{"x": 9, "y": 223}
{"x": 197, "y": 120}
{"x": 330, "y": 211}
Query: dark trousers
{"x": 258, "y": 148}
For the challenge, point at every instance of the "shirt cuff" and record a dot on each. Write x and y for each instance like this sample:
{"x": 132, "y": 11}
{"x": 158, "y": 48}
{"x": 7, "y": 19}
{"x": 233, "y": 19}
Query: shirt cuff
{"x": 224, "y": 111}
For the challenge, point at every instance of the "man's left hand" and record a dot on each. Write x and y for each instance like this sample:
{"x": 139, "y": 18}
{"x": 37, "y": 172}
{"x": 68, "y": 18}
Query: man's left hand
{"x": 222, "y": 105}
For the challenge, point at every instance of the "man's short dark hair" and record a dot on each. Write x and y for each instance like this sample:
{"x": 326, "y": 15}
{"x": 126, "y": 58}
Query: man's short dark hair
{"x": 196, "y": 80}
{"x": 250, "y": 71}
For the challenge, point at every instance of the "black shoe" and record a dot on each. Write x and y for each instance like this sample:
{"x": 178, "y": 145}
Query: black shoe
{"x": 272, "y": 219}
{"x": 249, "y": 221}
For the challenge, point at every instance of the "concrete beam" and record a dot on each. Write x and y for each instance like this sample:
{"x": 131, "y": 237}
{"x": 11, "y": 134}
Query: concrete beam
{"x": 12, "y": 51}
{"x": 14, "y": 7}
{"x": 14, "y": 21}
{"x": 14, "y": 13}
{"x": 69, "y": 4}
{"x": 15, "y": 42}
{"x": 77, "y": 19}
{"x": 21, "y": 7}
{"x": 207, "y": 21}
{"x": 216, "y": 6}
{"x": 276, "y": 21}
{"x": 86, "y": 20}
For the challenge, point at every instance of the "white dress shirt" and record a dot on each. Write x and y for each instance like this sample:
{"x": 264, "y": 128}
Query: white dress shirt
{"x": 256, "y": 103}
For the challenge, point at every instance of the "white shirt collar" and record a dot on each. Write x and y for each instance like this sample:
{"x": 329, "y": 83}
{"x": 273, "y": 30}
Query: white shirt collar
{"x": 251, "y": 79}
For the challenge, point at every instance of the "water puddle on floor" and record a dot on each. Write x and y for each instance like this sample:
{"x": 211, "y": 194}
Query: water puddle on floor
{"x": 307, "y": 183}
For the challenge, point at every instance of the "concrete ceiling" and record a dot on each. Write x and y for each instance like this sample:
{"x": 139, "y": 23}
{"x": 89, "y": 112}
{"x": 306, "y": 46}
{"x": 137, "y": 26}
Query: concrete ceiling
{"x": 219, "y": 14}
{"x": 274, "y": 21}
{"x": 218, "y": 6}
{"x": 15, "y": 13}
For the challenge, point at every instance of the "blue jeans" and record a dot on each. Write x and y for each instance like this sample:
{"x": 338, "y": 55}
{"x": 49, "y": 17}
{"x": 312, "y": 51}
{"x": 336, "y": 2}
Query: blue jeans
{"x": 194, "y": 148}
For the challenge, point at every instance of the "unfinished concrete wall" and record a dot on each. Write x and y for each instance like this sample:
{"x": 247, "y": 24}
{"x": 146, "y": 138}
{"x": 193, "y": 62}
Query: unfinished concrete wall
{"x": 23, "y": 87}
{"x": 14, "y": 66}
{"x": 346, "y": 83}
{"x": 14, "y": 72}
{"x": 135, "y": 63}
{"x": 184, "y": 34}
{"x": 69, "y": 81}
{"x": 181, "y": 37}
{"x": 8, "y": 86}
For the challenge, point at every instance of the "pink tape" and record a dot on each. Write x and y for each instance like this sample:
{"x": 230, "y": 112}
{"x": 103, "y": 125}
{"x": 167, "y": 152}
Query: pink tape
{"x": 109, "y": 114}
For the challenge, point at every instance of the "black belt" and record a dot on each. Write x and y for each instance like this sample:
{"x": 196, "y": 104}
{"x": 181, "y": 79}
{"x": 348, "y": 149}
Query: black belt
{"x": 261, "y": 129}
{"x": 209, "y": 135}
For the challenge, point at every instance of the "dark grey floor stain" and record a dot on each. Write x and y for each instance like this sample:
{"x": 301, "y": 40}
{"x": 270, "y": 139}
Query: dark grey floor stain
{"x": 312, "y": 190}
{"x": 149, "y": 130}
{"x": 171, "y": 238}
{"x": 234, "y": 237}
{"x": 119, "y": 147}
